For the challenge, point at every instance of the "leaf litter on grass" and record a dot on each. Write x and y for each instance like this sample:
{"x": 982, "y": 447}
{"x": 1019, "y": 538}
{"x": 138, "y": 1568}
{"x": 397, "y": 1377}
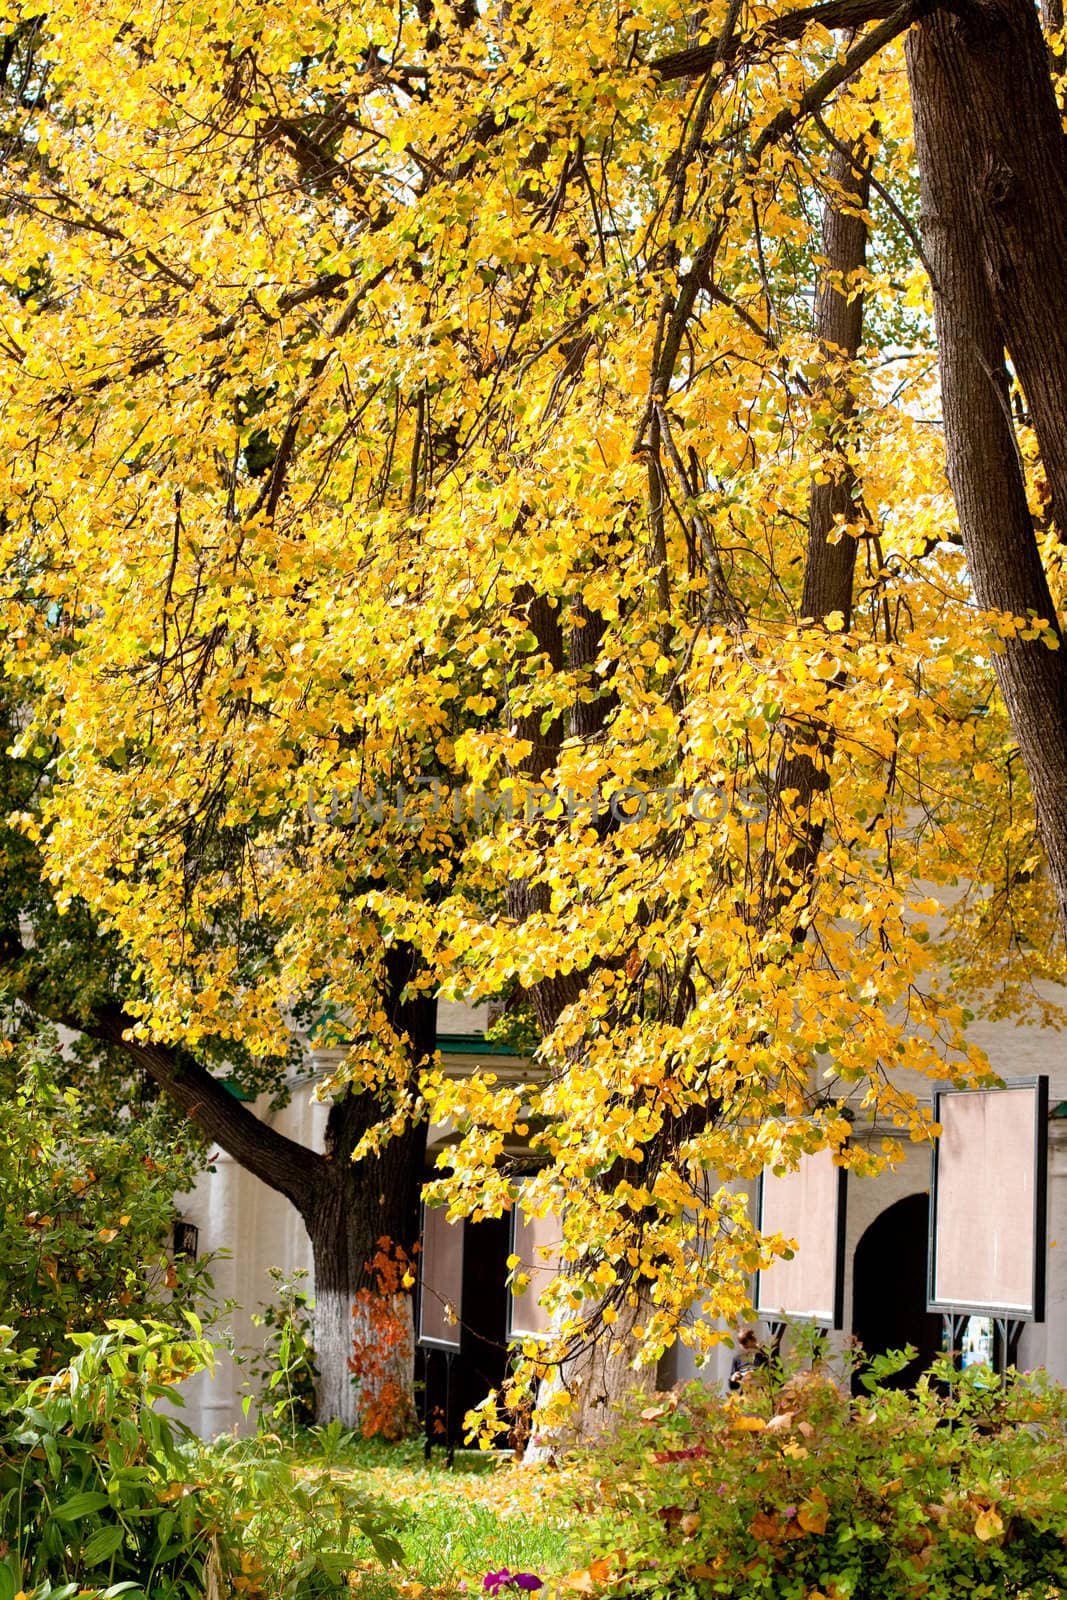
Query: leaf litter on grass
{"x": 456, "y": 1526}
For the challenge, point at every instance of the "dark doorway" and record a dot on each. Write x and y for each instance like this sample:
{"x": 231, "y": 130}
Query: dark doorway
{"x": 483, "y": 1359}
{"x": 889, "y": 1288}
{"x": 458, "y": 1383}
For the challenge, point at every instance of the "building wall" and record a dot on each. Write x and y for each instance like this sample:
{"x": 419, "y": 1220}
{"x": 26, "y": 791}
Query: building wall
{"x": 258, "y": 1229}
{"x": 251, "y": 1228}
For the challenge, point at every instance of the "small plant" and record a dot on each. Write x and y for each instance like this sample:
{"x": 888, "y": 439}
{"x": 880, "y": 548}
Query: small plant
{"x": 102, "y": 1494}
{"x": 382, "y": 1345}
{"x": 285, "y": 1367}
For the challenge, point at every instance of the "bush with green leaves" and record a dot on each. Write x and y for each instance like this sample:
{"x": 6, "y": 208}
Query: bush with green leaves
{"x": 791, "y": 1490}
{"x": 86, "y": 1207}
{"x": 103, "y": 1493}
{"x": 93, "y": 1477}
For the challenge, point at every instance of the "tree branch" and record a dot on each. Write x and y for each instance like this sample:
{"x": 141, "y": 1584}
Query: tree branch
{"x": 697, "y": 60}
{"x": 281, "y": 1163}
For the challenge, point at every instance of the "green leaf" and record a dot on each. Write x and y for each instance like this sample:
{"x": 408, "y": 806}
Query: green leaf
{"x": 81, "y": 1505}
{"x": 7, "y": 1582}
{"x": 103, "y": 1544}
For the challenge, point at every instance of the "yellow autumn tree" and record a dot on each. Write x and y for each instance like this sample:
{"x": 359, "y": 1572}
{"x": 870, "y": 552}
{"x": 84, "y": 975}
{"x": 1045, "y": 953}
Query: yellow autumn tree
{"x": 476, "y": 523}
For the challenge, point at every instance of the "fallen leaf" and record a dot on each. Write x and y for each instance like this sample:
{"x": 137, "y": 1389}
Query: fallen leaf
{"x": 587, "y": 1579}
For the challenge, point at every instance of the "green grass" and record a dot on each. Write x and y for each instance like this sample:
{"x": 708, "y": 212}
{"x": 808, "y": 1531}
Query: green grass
{"x": 454, "y": 1525}
{"x": 458, "y": 1525}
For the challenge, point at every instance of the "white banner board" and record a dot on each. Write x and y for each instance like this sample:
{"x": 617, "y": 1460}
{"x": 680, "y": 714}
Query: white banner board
{"x": 440, "y": 1279}
{"x": 988, "y": 1188}
{"x": 537, "y": 1242}
{"x": 806, "y": 1205}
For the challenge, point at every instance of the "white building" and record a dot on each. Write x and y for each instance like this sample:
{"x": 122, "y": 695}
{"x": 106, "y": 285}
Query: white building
{"x": 885, "y": 1251}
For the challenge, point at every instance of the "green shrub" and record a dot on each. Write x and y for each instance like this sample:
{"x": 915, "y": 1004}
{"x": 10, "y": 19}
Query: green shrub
{"x": 793, "y": 1491}
{"x": 99, "y": 1488}
{"x": 86, "y": 1209}
{"x": 94, "y": 1480}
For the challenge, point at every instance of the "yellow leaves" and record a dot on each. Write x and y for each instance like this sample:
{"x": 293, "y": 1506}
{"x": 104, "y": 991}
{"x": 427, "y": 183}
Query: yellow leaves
{"x": 748, "y": 1424}
{"x": 587, "y": 1580}
{"x": 988, "y": 1525}
{"x": 455, "y": 580}
{"x": 814, "y": 1513}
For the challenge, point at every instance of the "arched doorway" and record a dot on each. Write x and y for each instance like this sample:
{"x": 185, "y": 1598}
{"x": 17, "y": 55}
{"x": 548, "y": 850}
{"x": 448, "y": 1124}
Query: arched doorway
{"x": 889, "y": 1287}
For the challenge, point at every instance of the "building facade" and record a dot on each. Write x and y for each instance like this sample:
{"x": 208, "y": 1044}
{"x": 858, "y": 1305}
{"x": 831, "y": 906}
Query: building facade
{"x": 885, "y": 1245}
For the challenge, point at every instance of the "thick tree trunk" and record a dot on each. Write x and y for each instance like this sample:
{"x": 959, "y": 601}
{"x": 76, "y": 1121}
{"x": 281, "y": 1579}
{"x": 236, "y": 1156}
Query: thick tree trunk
{"x": 363, "y": 1216}
{"x": 596, "y": 1381}
{"x": 994, "y": 197}
{"x": 363, "y": 1220}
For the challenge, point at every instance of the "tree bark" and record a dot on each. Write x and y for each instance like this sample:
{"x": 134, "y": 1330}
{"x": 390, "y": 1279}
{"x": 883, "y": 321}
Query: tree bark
{"x": 994, "y": 200}
{"x": 364, "y": 1224}
{"x": 830, "y": 563}
{"x": 363, "y": 1221}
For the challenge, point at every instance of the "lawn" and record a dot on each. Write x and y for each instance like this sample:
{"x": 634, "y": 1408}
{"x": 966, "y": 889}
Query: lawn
{"x": 455, "y": 1525}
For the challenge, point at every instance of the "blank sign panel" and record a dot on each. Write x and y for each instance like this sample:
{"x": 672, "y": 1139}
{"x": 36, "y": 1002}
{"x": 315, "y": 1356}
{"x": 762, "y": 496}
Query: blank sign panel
{"x": 807, "y": 1205}
{"x": 987, "y": 1218}
{"x": 536, "y": 1241}
{"x": 440, "y": 1280}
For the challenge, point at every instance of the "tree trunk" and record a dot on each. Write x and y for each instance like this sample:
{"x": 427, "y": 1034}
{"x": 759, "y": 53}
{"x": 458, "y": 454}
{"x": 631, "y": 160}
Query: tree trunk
{"x": 994, "y": 197}
{"x": 597, "y": 1380}
{"x": 364, "y": 1225}
{"x": 363, "y": 1215}
{"x": 830, "y": 561}
{"x": 830, "y": 566}
{"x": 364, "y": 1222}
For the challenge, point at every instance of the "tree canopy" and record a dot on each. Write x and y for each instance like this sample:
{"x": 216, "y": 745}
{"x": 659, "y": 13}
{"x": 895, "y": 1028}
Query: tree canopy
{"x": 475, "y": 485}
